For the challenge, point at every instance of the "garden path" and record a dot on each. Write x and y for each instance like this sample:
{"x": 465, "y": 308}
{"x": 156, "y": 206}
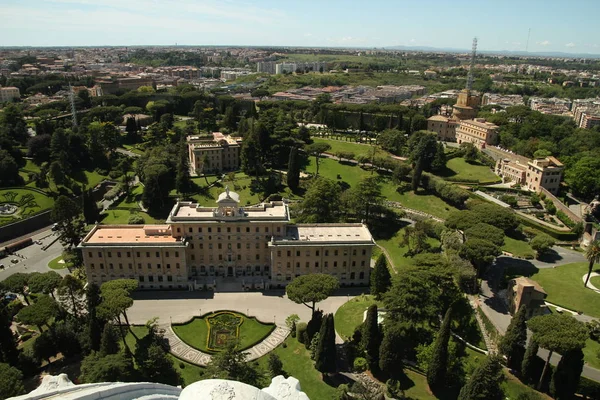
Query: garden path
{"x": 589, "y": 284}
{"x": 187, "y": 353}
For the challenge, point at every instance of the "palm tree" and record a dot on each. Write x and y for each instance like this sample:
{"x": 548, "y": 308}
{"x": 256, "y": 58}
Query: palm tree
{"x": 593, "y": 256}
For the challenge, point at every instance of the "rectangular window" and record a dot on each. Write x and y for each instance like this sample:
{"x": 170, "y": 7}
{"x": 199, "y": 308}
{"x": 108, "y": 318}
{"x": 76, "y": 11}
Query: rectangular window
{"x": 150, "y": 279}
{"x": 157, "y": 254}
{"x": 326, "y": 253}
{"x": 258, "y": 256}
{"x": 199, "y": 230}
{"x": 178, "y": 230}
{"x": 149, "y": 266}
{"x": 297, "y": 265}
{"x": 220, "y": 257}
{"x": 228, "y": 230}
{"x": 237, "y": 229}
{"x": 326, "y": 264}
{"x": 176, "y": 254}
{"x": 317, "y": 253}
{"x": 120, "y": 266}
{"x": 192, "y": 257}
{"x": 344, "y": 264}
{"x": 101, "y": 266}
{"x": 354, "y": 263}
{"x": 147, "y": 254}
{"x": 257, "y": 229}
{"x": 90, "y": 254}
{"x": 335, "y": 252}
{"x": 209, "y": 230}
{"x": 169, "y": 278}
{"x": 266, "y": 229}
{"x": 109, "y": 254}
{"x": 110, "y": 266}
{"x": 316, "y": 264}
{"x": 168, "y": 266}
{"x": 128, "y": 254}
{"x": 297, "y": 253}
{"x": 137, "y": 253}
{"x": 190, "y": 230}
{"x": 278, "y": 229}
{"x": 307, "y": 265}
{"x": 289, "y": 264}
{"x": 278, "y": 253}
{"x": 218, "y": 229}
{"x": 177, "y": 265}
{"x": 247, "y": 229}
{"x": 334, "y": 264}
{"x": 130, "y": 266}
{"x": 139, "y": 265}
{"x": 364, "y": 252}
{"x": 160, "y": 278}
{"x": 92, "y": 266}
{"x": 141, "y": 278}
{"x": 219, "y": 246}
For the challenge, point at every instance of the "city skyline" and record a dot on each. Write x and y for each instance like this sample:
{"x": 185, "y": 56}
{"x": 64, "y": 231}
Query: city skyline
{"x": 499, "y": 27}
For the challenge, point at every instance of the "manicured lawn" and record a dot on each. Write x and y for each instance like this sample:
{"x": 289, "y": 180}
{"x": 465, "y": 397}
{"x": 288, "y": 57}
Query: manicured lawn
{"x": 416, "y": 385}
{"x": 350, "y": 315}
{"x": 352, "y": 147}
{"x": 297, "y": 363}
{"x": 40, "y": 202}
{"x": 352, "y": 174}
{"x": 595, "y": 280}
{"x": 30, "y": 166}
{"x": 518, "y": 248}
{"x": 457, "y": 169}
{"x": 114, "y": 217}
{"x": 591, "y": 351}
{"x": 195, "y": 333}
{"x": 514, "y": 389}
{"x": 133, "y": 148}
{"x": 55, "y": 264}
{"x": 398, "y": 252}
{"x": 564, "y": 286}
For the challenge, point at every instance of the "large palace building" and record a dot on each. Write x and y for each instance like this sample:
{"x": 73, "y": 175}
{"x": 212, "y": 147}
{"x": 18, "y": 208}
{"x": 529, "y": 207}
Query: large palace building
{"x": 256, "y": 244}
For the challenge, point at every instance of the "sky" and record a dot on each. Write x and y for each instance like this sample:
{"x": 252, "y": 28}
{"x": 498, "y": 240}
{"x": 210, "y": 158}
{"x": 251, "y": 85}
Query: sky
{"x": 556, "y": 26}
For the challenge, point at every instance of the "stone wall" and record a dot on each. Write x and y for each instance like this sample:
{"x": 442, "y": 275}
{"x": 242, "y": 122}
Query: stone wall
{"x": 561, "y": 206}
{"x": 25, "y": 226}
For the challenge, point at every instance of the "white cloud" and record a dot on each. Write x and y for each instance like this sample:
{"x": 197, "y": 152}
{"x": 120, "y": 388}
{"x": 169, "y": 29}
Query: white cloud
{"x": 307, "y": 34}
{"x": 412, "y": 40}
{"x": 571, "y": 44}
{"x": 544, "y": 43}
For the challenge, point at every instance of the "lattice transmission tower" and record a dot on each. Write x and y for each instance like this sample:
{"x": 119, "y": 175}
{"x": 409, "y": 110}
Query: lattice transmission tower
{"x": 472, "y": 66}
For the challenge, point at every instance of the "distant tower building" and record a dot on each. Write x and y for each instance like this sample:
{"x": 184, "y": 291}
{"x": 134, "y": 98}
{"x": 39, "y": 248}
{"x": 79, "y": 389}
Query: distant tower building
{"x": 468, "y": 103}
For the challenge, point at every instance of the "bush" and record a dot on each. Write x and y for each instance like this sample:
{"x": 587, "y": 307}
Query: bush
{"x": 565, "y": 219}
{"x": 301, "y": 331}
{"x": 136, "y": 219}
{"x": 588, "y": 388}
{"x": 448, "y": 192}
{"x": 360, "y": 364}
{"x": 535, "y": 199}
{"x": 510, "y": 200}
{"x": 181, "y": 365}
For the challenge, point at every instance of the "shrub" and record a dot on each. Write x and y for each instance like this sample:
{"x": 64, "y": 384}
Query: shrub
{"x": 550, "y": 207}
{"x": 510, "y": 200}
{"x": 565, "y": 219}
{"x": 360, "y": 364}
{"x": 535, "y": 199}
{"x": 301, "y": 331}
{"x": 181, "y": 365}
{"x": 136, "y": 219}
{"x": 448, "y": 192}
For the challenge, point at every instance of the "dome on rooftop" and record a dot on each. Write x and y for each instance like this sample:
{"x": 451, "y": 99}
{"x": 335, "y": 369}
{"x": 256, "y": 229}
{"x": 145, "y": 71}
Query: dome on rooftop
{"x": 227, "y": 195}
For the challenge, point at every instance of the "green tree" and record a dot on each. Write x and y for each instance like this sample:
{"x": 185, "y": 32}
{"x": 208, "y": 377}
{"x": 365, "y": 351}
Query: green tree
{"x": 485, "y": 381}
{"x": 231, "y": 364}
{"x": 321, "y": 202}
{"x": 471, "y": 154}
{"x": 70, "y": 224}
{"x": 371, "y": 337}
{"x": 438, "y": 364}
{"x": 111, "y": 368}
{"x": 557, "y": 333}
{"x": 423, "y": 148}
{"x": 275, "y": 365}
{"x": 157, "y": 185}
{"x": 8, "y": 345}
{"x": 583, "y": 177}
{"x": 158, "y": 367}
{"x": 91, "y": 213}
{"x": 565, "y": 379}
{"x": 592, "y": 253}
{"x": 11, "y": 381}
{"x": 542, "y": 243}
{"x": 45, "y": 283}
{"x": 513, "y": 342}
{"x": 325, "y": 357}
{"x": 17, "y": 283}
{"x": 109, "y": 343}
{"x": 94, "y": 323}
{"x": 392, "y": 140}
{"x": 365, "y": 196}
{"x": 250, "y": 154}
{"x": 56, "y": 172}
{"x": 183, "y": 183}
{"x": 311, "y": 289}
{"x": 71, "y": 294}
{"x": 293, "y": 172}
{"x": 316, "y": 149}
{"x": 527, "y": 366}
{"x": 116, "y": 299}
{"x": 39, "y": 313}
{"x": 381, "y": 279}
{"x": 486, "y": 232}
{"x": 479, "y": 252}
{"x": 10, "y": 170}
{"x": 392, "y": 350}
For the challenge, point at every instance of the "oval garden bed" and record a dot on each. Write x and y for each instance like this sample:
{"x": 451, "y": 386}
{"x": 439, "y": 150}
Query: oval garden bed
{"x": 212, "y": 332}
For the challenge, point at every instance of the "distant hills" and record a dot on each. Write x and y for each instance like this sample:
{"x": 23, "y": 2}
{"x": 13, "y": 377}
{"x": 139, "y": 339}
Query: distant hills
{"x": 499, "y": 52}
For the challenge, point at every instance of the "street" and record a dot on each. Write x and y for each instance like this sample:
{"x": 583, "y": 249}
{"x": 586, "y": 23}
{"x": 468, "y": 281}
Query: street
{"x": 33, "y": 258}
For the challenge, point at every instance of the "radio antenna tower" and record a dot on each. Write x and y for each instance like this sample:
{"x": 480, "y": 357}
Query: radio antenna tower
{"x": 73, "y": 109}
{"x": 527, "y": 44}
{"x": 472, "y": 66}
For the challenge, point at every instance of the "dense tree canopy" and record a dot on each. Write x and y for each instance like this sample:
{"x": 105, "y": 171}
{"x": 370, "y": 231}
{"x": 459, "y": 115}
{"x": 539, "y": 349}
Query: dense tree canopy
{"x": 311, "y": 289}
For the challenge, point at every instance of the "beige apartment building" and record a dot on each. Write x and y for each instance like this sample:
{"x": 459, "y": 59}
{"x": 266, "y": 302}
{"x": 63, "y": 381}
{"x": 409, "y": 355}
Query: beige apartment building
{"x": 466, "y": 107}
{"x": 526, "y": 292}
{"x": 216, "y": 153}
{"x": 477, "y": 131}
{"x": 544, "y": 173}
{"x": 256, "y": 246}
{"x": 9, "y": 93}
{"x": 444, "y": 127}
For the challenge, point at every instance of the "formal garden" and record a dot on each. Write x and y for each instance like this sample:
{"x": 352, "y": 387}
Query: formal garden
{"x": 21, "y": 203}
{"x": 215, "y": 331}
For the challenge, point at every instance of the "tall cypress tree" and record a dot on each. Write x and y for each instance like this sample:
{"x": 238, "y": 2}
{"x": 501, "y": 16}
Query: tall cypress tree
{"x": 371, "y": 337}
{"x": 8, "y": 347}
{"x": 565, "y": 379}
{"x": 485, "y": 381}
{"x": 182, "y": 178}
{"x": 391, "y": 351}
{"x": 110, "y": 341}
{"x": 313, "y": 326}
{"x": 380, "y": 277}
{"x": 438, "y": 365}
{"x": 513, "y": 343}
{"x": 326, "y": 353}
{"x": 528, "y": 364}
{"x": 95, "y": 324}
{"x": 293, "y": 173}
{"x": 91, "y": 213}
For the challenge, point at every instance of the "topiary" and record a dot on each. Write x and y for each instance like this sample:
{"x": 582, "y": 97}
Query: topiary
{"x": 360, "y": 364}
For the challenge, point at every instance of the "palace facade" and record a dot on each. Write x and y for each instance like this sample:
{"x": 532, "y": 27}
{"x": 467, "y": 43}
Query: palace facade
{"x": 256, "y": 245}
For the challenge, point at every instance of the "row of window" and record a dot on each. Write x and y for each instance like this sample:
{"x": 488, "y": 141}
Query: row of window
{"x": 211, "y": 268}
{"x": 137, "y": 254}
{"x": 237, "y": 229}
{"x": 288, "y": 277}
{"x": 130, "y": 266}
{"x": 220, "y": 245}
{"x": 229, "y": 257}
{"x": 318, "y": 253}
{"x": 325, "y": 264}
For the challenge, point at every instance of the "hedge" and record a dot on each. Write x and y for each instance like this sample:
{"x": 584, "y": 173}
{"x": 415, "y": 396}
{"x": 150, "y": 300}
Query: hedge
{"x": 561, "y": 236}
{"x": 565, "y": 219}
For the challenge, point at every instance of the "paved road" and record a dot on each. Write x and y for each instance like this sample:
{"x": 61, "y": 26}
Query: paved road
{"x": 270, "y": 306}
{"x": 493, "y": 305}
{"x": 33, "y": 258}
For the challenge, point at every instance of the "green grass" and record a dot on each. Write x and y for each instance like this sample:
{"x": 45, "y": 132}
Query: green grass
{"x": 54, "y": 264}
{"x": 514, "y": 388}
{"x": 595, "y": 280}
{"x": 350, "y": 315}
{"x": 30, "y": 166}
{"x": 518, "y": 248}
{"x": 119, "y": 217}
{"x": 297, "y": 363}
{"x": 591, "y": 351}
{"x": 398, "y": 252}
{"x": 41, "y": 202}
{"x": 195, "y": 332}
{"x": 133, "y": 148}
{"x": 352, "y": 147}
{"x": 564, "y": 286}
{"x": 352, "y": 174}
{"x": 457, "y": 169}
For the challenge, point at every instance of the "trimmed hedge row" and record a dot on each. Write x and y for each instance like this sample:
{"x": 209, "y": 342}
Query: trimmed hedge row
{"x": 562, "y": 236}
